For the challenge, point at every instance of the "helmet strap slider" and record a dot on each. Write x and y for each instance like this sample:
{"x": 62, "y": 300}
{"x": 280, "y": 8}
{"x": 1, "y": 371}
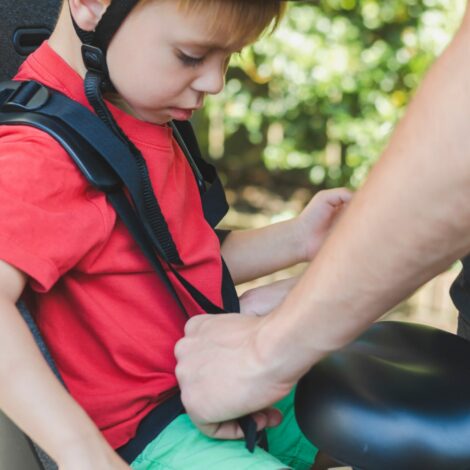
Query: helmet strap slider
{"x": 94, "y": 59}
{"x": 95, "y": 62}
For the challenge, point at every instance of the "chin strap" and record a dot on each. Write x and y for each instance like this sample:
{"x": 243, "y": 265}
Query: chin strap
{"x": 97, "y": 80}
{"x": 110, "y": 22}
{"x": 95, "y": 43}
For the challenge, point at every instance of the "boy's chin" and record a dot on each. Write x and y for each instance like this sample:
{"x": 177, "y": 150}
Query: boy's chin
{"x": 161, "y": 122}
{"x": 180, "y": 114}
{"x": 165, "y": 116}
{"x": 160, "y": 119}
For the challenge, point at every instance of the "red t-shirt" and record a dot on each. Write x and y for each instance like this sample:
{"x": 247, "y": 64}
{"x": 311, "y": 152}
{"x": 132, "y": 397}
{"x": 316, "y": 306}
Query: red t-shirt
{"x": 110, "y": 323}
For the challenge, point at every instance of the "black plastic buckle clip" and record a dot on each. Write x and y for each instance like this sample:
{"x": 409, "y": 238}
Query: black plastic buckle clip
{"x": 94, "y": 59}
{"x": 95, "y": 62}
{"x": 28, "y": 96}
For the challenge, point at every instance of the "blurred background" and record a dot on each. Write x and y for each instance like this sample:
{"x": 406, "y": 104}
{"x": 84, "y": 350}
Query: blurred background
{"x": 313, "y": 105}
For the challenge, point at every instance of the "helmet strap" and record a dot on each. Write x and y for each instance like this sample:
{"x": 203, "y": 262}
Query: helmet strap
{"x": 97, "y": 80}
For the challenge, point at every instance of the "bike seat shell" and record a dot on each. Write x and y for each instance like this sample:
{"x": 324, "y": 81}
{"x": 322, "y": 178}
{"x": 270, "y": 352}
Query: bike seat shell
{"x": 397, "y": 398}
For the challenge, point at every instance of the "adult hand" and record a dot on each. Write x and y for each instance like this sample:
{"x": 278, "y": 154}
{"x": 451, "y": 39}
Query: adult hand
{"x": 319, "y": 216}
{"x": 225, "y": 371}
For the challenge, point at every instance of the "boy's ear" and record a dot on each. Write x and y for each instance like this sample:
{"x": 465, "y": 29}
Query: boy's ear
{"x": 87, "y": 13}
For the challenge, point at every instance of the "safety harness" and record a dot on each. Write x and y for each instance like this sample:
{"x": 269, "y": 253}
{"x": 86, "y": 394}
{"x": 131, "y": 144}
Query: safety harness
{"x": 108, "y": 163}
{"x": 113, "y": 164}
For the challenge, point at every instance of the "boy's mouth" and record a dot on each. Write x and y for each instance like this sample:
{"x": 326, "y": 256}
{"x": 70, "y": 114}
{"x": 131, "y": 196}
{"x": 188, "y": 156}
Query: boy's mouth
{"x": 182, "y": 114}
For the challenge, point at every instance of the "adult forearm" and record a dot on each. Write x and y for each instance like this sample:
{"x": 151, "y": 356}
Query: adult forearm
{"x": 251, "y": 254}
{"x": 34, "y": 399}
{"x": 408, "y": 223}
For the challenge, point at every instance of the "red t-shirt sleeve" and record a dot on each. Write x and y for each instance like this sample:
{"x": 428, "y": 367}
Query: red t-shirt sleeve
{"x": 50, "y": 217}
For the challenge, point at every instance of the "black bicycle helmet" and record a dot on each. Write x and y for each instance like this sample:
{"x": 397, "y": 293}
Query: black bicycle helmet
{"x": 96, "y": 43}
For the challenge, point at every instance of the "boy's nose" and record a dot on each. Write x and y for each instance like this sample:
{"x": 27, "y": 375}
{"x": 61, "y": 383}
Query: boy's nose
{"x": 212, "y": 81}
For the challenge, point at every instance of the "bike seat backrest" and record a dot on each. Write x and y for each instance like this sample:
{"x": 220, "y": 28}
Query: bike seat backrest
{"x": 24, "y": 24}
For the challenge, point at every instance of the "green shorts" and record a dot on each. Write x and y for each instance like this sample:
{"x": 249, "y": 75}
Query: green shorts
{"x": 182, "y": 446}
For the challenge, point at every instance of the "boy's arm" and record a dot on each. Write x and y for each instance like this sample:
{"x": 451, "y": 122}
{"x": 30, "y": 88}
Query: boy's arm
{"x": 407, "y": 224}
{"x": 251, "y": 254}
{"x": 34, "y": 399}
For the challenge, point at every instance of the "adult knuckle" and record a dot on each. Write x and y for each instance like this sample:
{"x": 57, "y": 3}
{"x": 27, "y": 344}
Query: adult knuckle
{"x": 184, "y": 349}
{"x": 193, "y": 325}
{"x": 188, "y": 401}
{"x": 179, "y": 348}
{"x": 179, "y": 372}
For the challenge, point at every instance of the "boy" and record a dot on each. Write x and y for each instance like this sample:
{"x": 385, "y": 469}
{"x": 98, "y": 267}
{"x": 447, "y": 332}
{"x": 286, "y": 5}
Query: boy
{"x": 110, "y": 323}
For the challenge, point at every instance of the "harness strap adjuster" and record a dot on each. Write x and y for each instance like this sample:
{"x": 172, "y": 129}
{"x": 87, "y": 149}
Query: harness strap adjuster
{"x": 28, "y": 96}
{"x": 94, "y": 60}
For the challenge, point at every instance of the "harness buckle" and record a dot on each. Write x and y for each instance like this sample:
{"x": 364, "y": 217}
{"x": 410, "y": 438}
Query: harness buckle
{"x": 27, "y": 96}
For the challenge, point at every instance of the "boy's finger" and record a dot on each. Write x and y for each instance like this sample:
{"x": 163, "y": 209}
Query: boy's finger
{"x": 334, "y": 197}
{"x": 340, "y": 196}
{"x": 267, "y": 418}
{"x": 231, "y": 430}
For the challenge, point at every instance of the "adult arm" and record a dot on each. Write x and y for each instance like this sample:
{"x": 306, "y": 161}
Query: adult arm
{"x": 34, "y": 399}
{"x": 407, "y": 224}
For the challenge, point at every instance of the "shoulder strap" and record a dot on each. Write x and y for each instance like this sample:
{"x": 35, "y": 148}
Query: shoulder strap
{"x": 102, "y": 159}
{"x": 213, "y": 196}
{"x": 30, "y": 99}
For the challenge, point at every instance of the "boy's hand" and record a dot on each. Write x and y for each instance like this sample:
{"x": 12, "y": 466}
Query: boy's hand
{"x": 319, "y": 216}
{"x": 263, "y": 300}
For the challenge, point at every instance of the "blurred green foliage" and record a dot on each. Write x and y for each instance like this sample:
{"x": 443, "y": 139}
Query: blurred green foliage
{"x": 316, "y": 101}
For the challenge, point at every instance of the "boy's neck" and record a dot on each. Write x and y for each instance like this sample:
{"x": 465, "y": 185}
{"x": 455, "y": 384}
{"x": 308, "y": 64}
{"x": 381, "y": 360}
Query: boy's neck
{"x": 65, "y": 42}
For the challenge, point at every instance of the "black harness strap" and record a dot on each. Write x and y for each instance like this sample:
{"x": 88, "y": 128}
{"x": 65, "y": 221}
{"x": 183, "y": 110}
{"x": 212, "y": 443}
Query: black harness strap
{"x": 151, "y": 426}
{"x": 98, "y": 136}
{"x": 212, "y": 192}
{"x": 150, "y": 208}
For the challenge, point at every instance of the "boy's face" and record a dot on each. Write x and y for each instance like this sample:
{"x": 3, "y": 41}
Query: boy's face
{"x": 163, "y": 63}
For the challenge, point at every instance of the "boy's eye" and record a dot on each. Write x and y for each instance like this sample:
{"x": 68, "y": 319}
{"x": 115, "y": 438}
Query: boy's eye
{"x": 189, "y": 60}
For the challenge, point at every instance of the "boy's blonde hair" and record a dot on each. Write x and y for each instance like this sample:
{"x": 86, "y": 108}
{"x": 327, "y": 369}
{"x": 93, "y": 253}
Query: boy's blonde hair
{"x": 243, "y": 21}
